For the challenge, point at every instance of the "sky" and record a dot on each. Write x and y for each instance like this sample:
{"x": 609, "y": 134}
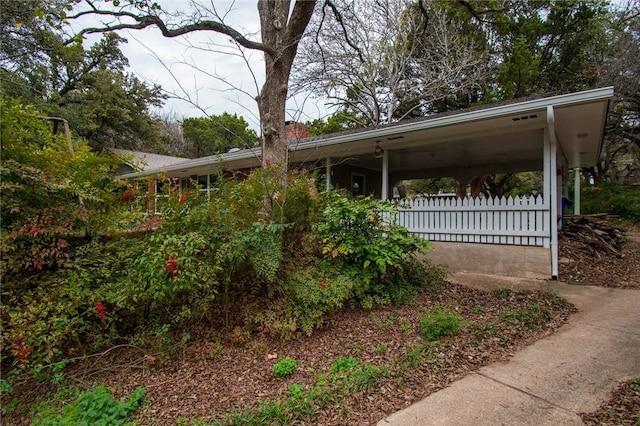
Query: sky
{"x": 204, "y": 67}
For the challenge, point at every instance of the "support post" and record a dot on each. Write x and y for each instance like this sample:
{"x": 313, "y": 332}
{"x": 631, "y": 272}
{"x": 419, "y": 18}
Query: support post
{"x": 327, "y": 174}
{"x": 576, "y": 191}
{"x": 385, "y": 175}
{"x": 551, "y": 185}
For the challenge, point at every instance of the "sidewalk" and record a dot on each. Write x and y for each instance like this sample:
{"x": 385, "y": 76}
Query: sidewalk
{"x": 551, "y": 381}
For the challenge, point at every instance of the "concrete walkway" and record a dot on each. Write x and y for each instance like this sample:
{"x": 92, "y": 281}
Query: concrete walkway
{"x": 551, "y": 381}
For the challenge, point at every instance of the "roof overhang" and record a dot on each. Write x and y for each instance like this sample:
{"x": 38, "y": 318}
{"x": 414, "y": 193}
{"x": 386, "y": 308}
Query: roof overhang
{"x": 488, "y": 139}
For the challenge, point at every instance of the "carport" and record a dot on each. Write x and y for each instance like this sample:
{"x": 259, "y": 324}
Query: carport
{"x": 552, "y": 134}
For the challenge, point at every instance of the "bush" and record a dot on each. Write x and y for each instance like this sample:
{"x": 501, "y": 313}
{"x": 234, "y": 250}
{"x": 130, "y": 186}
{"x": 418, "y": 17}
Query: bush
{"x": 95, "y": 407}
{"x": 440, "y": 322}
{"x": 285, "y": 367}
{"x": 362, "y": 233}
{"x": 616, "y": 198}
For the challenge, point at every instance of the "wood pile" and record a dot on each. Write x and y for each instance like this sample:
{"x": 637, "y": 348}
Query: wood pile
{"x": 591, "y": 236}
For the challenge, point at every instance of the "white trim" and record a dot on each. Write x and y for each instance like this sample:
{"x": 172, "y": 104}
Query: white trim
{"x": 495, "y": 112}
{"x": 552, "y": 187}
{"x": 384, "y": 193}
{"x": 576, "y": 191}
{"x": 327, "y": 172}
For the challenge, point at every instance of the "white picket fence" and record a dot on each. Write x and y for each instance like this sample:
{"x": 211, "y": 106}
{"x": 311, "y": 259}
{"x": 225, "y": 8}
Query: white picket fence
{"x": 515, "y": 221}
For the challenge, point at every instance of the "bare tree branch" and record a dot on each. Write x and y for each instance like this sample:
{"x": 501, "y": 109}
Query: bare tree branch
{"x": 338, "y": 17}
{"x": 143, "y": 21}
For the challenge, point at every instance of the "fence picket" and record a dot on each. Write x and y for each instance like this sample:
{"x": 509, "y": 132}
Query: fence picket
{"x": 503, "y": 220}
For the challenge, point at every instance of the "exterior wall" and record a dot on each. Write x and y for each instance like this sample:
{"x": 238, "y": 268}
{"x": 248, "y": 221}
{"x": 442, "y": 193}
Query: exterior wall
{"x": 294, "y": 130}
{"x": 341, "y": 178}
{"x": 512, "y": 261}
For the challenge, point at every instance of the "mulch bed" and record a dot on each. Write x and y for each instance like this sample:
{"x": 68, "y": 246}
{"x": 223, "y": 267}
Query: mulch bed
{"x": 582, "y": 261}
{"x": 623, "y": 408}
{"x": 594, "y": 264}
{"x": 219, "y": 371}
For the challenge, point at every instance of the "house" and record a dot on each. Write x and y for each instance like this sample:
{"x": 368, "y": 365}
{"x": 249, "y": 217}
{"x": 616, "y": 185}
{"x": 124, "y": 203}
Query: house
{"x": 143, "y": 161}
{"x": 552, "y": 134}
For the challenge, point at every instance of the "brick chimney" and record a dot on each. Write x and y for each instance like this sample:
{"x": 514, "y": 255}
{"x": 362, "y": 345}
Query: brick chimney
{"x": 294, "y": 130}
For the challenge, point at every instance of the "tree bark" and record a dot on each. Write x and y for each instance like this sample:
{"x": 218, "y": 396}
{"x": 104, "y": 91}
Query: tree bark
{"x": 281, "y": 32}
{"x": 282, "y": 36}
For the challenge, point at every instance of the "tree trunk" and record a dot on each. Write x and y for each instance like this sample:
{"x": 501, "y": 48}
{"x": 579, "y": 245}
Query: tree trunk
{"x": 282, "y": 35}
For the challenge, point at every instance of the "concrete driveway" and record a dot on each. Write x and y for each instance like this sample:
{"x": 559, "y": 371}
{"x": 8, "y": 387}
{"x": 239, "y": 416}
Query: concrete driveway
{"x": 551, "y": 381}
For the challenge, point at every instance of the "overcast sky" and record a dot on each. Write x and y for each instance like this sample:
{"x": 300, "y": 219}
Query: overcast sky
{"x": 186, "y": 66}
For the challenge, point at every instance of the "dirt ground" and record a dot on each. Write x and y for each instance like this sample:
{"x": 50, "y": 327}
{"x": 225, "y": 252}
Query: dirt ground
{"x": 583, "y": 264}
{"x": 602, "y": 269}
{"x": 219, "y": 371}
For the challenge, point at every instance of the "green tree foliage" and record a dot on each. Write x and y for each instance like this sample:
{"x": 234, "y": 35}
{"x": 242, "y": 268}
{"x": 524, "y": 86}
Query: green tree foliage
{"x": 620, "y": 156}
{"x": 218, "y": 133}
{"x": 549, "y": 46}
{"x": 338, "y": 122}
{"x": 431, "y": 186}
{"x": 615, "y": 198}
{"x": 88, "y": 87}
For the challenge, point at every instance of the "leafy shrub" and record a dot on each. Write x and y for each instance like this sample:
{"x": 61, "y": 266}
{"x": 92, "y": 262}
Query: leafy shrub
{"x": 353, "y": 374}
{"x": 285, "y": 367}
{"x": 95, "y": 407}
{"x": 53, "y": 200}
{"x": 615, "y": 198}
{"x": 47, "y": 192}
{"x": 344, "y": 364}
{"x": 362, "y": 233}
{"x": 316, "y": 291}
{"x": 501, "y": 292}
{"x": 440, "y": 322}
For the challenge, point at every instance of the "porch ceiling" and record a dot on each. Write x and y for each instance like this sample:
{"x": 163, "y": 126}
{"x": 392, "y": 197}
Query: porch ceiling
{"x": 503, "y": 139}
{"x": 489, "y": 139}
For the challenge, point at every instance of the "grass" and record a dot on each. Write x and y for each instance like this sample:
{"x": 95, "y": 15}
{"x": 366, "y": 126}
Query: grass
{"x": 346, "y": 375}
{"x": 91, "y": 407}
{"x": 532, "y": 315}
{"x": 439, "y": 322}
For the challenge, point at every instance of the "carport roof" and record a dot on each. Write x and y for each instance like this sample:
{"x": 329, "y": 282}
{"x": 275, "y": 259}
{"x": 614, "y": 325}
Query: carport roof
{"x": 506, "y": 137}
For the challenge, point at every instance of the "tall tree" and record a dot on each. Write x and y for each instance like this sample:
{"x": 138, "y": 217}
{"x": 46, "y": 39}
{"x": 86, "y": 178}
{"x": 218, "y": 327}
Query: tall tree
{"x": 621, "y": 151}
{"x": 217, "y": 134}
{"x": 387, "y": 60}
{"x": 282, "y": 25}
{"x": 549, "y": 45}
{"x": 88, "y": 87}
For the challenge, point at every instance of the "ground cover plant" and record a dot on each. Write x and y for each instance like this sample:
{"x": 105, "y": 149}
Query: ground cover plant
{"x": 356, "y": 369}
{"x": 85, "y": 269}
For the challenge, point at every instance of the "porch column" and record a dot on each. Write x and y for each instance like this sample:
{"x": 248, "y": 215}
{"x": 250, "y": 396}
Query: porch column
{"x": 385, "y": 175}
{"x": 576, "y": 191}
{"x": 151, "y": 191}
{"x": 551, "y": 186}
{"x": 327, "y": 174}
